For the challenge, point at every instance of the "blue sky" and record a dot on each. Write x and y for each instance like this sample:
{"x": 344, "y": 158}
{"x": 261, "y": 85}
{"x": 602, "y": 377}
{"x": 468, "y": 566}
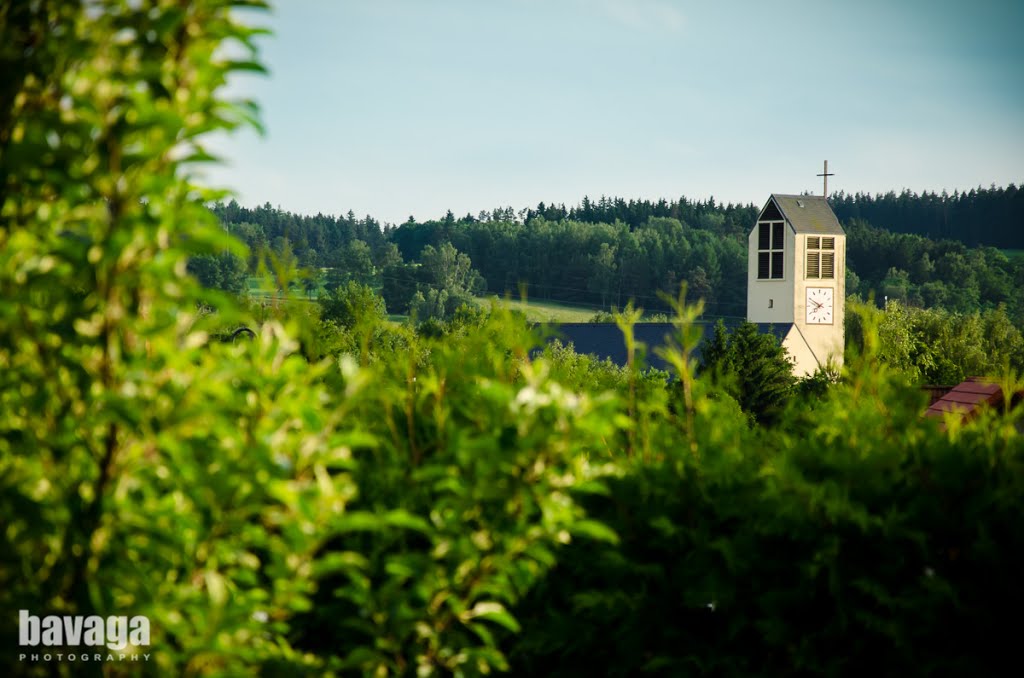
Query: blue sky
{"x": 412, "y": 107}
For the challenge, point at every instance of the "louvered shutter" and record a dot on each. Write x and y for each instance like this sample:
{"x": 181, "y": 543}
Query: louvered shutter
{"x": 813, "y": 261}
{"x": 828, "y": 264}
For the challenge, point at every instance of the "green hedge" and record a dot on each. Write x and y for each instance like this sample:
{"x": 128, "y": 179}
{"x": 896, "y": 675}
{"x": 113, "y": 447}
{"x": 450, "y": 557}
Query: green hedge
{"x": 869, "y": 542}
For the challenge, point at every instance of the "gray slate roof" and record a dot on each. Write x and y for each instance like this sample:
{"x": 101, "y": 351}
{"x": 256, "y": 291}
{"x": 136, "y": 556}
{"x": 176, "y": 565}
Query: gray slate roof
{"x": 808, "y": 214}
{"x": 604, "y": 341}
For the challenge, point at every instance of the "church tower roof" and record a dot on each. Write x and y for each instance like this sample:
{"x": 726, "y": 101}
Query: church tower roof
{"x": 805, "y": 213}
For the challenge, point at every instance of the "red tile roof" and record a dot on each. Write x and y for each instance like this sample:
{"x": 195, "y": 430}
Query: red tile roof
{"x": 967, "y": 398}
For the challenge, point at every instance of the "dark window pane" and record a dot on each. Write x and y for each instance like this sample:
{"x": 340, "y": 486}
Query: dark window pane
{"x": 762, "y": 265}
{"x": 771, "y": 212}
{"x": 778, "y": 237}
{"x": 776, "y": 264}
{"x": 763, "y": 240}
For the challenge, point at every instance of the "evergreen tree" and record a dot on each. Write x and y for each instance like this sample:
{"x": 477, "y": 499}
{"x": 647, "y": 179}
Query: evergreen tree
{"x": 398, "y": 284}
{"x": 715, "y": 352}
{"x": 753, "y": 368}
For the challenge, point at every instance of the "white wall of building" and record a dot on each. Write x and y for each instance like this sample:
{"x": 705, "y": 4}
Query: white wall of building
{"x": 770, "y": 301}
{"x": 785, "y": 301}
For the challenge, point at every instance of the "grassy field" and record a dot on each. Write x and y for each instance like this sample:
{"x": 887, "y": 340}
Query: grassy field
{"x": 535, "y": 310}
{"x": 1013, "y": 254}
{"x": 544, "y": 311}
{"x": 262, "y": 288}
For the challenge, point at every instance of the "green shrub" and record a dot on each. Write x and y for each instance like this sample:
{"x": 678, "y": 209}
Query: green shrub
{"x": 869, "y": 539}
{"x": 145, "y": 469}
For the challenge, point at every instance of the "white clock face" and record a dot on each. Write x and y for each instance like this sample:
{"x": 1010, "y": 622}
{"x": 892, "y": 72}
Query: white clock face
{"x": 819, "y": 305}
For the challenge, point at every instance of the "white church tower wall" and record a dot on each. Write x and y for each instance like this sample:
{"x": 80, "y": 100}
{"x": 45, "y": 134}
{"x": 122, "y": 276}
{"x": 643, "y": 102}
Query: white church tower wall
{"x": 796, "y": 275}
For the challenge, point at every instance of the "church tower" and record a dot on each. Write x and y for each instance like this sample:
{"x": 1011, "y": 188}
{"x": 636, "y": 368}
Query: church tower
{"x": 796, "y": 278}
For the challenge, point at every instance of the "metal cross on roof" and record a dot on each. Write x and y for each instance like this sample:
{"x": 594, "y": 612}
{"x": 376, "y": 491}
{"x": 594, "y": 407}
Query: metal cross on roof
{"x": 826, "y": 174}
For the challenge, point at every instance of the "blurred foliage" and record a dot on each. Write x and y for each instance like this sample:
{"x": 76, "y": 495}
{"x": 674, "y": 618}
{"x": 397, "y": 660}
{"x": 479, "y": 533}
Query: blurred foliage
{"x": 334, "y": 497}
{"x": 853, "y": 535}
{"x": 934, "y": 346}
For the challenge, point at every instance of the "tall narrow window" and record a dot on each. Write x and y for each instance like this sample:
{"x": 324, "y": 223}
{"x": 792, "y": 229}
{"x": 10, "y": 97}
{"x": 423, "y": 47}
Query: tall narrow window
{"x": 771, "y": 243}
{"x": 821, "y": 257}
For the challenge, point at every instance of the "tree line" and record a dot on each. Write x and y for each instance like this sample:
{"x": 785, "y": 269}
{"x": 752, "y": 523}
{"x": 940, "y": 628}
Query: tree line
{"x": 980, "y": 216}
{"x": 605, "y": 253}
{"x": 597, "y": 264}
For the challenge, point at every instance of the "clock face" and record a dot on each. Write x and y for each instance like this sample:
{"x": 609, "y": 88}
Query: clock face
{"x": 819, "y": 305}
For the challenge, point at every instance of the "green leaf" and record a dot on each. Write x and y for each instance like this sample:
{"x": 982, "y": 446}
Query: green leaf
{"x": 357, "y": 521}
{"x": 493, "y": 612}
{"x": 343, "y": 561}
{"x": 404, "y": 519}
{"x": 595, "y": 530}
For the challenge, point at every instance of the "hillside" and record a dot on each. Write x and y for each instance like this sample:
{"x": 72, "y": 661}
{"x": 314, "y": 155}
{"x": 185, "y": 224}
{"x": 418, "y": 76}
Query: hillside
{"x": 605, "y": 253}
